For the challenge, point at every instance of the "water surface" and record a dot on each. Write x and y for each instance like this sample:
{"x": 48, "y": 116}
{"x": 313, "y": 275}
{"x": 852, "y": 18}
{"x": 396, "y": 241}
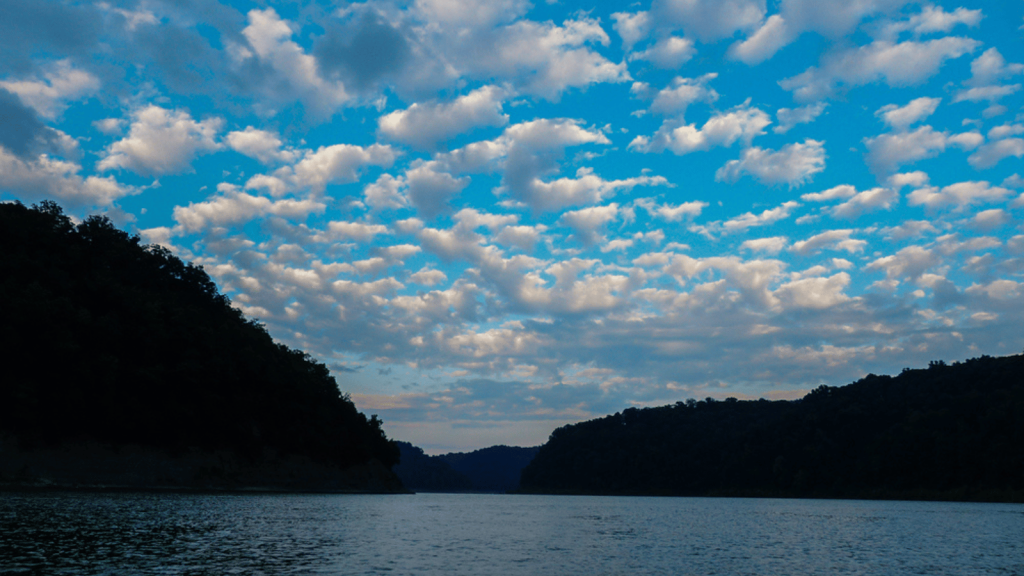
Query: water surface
{"x": 132, "y": 533}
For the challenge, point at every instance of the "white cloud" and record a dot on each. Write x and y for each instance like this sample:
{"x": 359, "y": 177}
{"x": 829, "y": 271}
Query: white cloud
{"x": 959, "y": 195}
{"x": 988, "y": 220}
{"x": 887, "y": 152}
{"x": 829, "y": 240}
{"x": 296, "y": 74}
{"x": 677, "y": 96}
{"x": 471, "y": 13}
{"x": 669, "y": 52}
{"x": 866, "y": 201}
{"x": 740, "y": 124}
{"x": 814, "y": 293}
{"x": 898, "y": 64}
{"x": 50, "y": 178}
{"x": 423, "y": 125}
{"x": 589, "y": 222}
{"x": 672, "y": 213}
{"x": 936, "y": 19}
{"x": 771, "y": 37}
{"x": 430, "y": 191}
{"x": 234, "y": 207}
{"x": 541, "y": 59}
{"x": 49, "y": 96}
{"x": 991, "y": 67}
{"x": 901, "y": 117}
{"x": 790, "y": 117}
{"x": 793, "y": 164}
{"x": 992, "y": 153}
{"x": 772, "y": 245}
{"x": 765, "y": 218}
{"x": 428, "y": 277}
{"x": 708, "y": 20}
{"x": 841, "y": 192}
{"x": 632, "y": 27}
{"x": 162, "y": 141}
{"x": 385, "y": 193}
{"x": 909, "y": 263}
{"x": 259, "y": 144}
{"x": 914, "y": 179}
{"x": 339, "y": 230}
{"x": 337, "y": 164}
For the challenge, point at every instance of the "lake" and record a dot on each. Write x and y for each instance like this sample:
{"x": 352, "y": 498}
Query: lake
{"x": 135, "y": 533}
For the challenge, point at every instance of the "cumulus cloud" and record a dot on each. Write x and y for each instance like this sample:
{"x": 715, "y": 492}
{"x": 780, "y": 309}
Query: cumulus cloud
{"x": 841, "y": 192}
{"x": 741, "y": 124}
{"x": 887, "y": 152}
{"x": 864, "y": 202}
{"x": 898, "y": 64}
{"x": 47, "y": 178}
{"x": 992, "y": 153}
{"x": 793, "y": 164}
{"x": 49, "y": 95}
{"x": 423, "y": 125}
{"x": 235, "y": 207}
{"x": 677, "y": 96}
{"x": 541, "y": 59}
{"x": 670, "y": 52}
{"x": 430, "y": 191}
{"x": 814, "y": 293}
{"x": 295, "y": 75}
{"x": 708, "y": 20}
{"x": 909, "y": 263}
{"x": 670, "y": 212}
{"x": 901, "y": 117}
{"x": 790, "y": 117}
{"x": 829, "y": 240}
{"x": 337, "y": 164}
{"x": 588, "y": 222}
{"x": 632, "y": 27}
{"x": 957, "y": 195}
{"x": 771, "y": 245}
{"x": 259, "y": 144}
{"x": 162, "y": 141}
{"x": 765, "y": 218}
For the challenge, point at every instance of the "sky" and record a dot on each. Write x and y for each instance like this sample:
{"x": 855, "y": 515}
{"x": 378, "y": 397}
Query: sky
{"x": 492, "y": 218}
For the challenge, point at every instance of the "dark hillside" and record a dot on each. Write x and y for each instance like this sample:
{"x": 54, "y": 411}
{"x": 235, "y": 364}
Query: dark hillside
{"x": 946, "y": 432}
{"x": 106, "y": 340}
{"x": 422, "y": 473}
{"x": 493, "y": 469}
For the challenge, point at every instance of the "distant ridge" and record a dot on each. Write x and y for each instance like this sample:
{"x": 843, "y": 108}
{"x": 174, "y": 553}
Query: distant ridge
{"x": 495, "y": 469}
{"x": 124, "y": 366}
{"x": 950, "y": 432}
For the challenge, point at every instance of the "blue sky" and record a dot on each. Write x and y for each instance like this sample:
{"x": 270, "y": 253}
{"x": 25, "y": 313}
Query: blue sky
{"x": 492, "y": 218}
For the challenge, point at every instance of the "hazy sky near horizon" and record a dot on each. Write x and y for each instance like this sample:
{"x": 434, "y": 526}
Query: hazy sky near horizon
{"x": 490, "y": 218}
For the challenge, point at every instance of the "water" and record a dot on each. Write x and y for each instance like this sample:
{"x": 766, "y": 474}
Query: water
{"x": 112, "y": 534}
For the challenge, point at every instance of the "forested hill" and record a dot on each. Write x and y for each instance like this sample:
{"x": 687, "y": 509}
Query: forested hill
{"x": 945, "y": 432}
{"x": 495, "y": 469}
{"x": 106, "y": 341}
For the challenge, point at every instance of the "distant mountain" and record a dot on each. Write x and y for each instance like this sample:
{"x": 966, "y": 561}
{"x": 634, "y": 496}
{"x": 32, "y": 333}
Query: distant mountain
{"x": 422, "y": 473}
{"x": 123, "y": 365}
{"x": 947, "y": 432}
{"x": 494, "y": 469}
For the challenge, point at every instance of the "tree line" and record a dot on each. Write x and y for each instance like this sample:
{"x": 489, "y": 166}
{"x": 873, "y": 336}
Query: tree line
{"x": 106, "y": 339}
{"x": 946, "y": 432}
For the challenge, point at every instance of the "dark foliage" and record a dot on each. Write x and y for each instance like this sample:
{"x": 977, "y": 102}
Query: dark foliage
{"x": 494, "y": 469}
{"x": 946, "y": 432}
{"x": 422, "y": 473}
{"x": 106, "y": 339}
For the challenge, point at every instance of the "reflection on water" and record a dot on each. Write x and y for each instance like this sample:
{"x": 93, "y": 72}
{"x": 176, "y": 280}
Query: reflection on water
{"x": 65, "y": 533}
